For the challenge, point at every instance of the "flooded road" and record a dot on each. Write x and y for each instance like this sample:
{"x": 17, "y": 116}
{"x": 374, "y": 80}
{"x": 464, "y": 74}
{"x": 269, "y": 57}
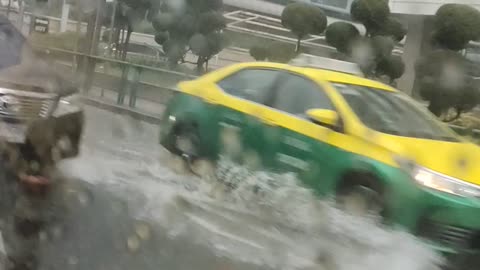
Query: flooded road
{"x": 133, "y": 212}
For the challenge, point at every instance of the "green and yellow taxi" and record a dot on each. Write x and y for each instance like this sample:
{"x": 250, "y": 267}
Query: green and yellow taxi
{"x": 344, "y": 136}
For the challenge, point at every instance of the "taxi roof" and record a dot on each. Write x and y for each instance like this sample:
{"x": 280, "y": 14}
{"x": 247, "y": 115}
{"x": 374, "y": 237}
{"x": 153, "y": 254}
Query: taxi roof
{"x": 339, "y": 77}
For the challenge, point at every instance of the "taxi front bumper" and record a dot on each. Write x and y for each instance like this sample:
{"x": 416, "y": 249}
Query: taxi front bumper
{"x": 450, "y": 224}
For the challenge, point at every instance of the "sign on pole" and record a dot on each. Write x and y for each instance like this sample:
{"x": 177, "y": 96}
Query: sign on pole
{"x": 41, "y": 25}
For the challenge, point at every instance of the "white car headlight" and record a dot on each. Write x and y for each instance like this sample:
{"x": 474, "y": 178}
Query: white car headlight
{"x": 68, "y": 105}
{"x": 71, "y": 99}
{"x": 440, "y": 182}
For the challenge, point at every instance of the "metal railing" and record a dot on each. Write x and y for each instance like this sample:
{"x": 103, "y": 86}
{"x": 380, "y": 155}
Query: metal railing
{"x": 122, "y": 82}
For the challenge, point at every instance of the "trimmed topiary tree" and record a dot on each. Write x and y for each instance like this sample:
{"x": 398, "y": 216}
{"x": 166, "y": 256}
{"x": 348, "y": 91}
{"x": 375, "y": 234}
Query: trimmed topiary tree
{"x": 206, "y": 46}
{"x": 444, "y": 83}
{"x": 128, "y": 15}
{"x": 341, "y": 35}
{"x": 196, "y": 26}
{"x": 303, "y": 20}
{"x": 391, "y": 66}
{"x": 456, "y": 25}
{"x": 372, "y": 52}
{"x": 443, "y": 74}
{"x": 382, "y": 46}
{"x": 280, "y": 52}
{"x": 392, "y": 28}
{"x": 373, "y": 14}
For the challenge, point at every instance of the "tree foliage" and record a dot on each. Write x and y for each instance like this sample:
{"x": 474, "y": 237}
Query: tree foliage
{"x": 341, "y": 35}
{"x": 392, "y": 28}
{"x": 161, "y": 37}
{"x": 372, "y": 52}
{"x": 303, "y": 20}
{"x": 363, "y": 54}
{"x": 128, "y": 15}
{"x": 275, "y": 52}
{"x": 443, "y": 74}
{"x": 371, "y": 13}
{"x": 456, "y": 25}
{"x": 391, "y": 66}
{"x": 281, "y": 52}
{"x": 445, "y": 83}
{"x": 195, "y": 25}
{"x": 211, "y": 21}
{"x": 382, "y": 46}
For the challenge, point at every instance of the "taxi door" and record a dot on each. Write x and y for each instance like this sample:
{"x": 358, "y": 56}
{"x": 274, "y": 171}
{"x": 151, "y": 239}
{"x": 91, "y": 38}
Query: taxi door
{"x": 300, "y": 145}
{"x": 241, "y": 130}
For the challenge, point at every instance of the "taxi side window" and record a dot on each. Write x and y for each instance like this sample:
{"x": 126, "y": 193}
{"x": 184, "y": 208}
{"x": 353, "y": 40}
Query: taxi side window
{"x": 250, "y": 84}
{"x": 296, "y": 95}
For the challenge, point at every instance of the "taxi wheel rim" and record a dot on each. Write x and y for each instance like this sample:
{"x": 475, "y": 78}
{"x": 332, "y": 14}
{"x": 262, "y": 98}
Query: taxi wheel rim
{"x": 185, "y": 145}
{"x": 361, "y": 201}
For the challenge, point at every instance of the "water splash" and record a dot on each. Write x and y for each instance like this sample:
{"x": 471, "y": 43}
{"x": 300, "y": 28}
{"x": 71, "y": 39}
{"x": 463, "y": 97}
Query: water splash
{"x": 288, "y": 221}
{"x": 260, "y": 217}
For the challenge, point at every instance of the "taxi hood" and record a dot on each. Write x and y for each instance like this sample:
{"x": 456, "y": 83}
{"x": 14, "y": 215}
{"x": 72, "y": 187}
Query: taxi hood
{"x": 455, "y": 159}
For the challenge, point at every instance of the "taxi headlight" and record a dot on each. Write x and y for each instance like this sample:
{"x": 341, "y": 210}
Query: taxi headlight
{"x": 437, "y": 181}
{"x": 440, "y": 182}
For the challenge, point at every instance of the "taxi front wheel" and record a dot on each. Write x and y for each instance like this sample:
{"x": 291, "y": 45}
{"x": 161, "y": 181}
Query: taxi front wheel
{"x": 360, "y": 200}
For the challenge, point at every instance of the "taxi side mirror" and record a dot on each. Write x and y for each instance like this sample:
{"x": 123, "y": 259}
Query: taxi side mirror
{"x": 323, "y": 117}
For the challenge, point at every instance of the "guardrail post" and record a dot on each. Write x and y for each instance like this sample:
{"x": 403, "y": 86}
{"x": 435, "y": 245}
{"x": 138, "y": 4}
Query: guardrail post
{"x": 89, "y": 71}
{"x": 133, "y": 85}
{"x": 123, "y": 85}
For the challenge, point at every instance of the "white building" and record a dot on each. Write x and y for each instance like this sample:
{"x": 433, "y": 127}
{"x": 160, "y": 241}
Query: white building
{"x": 425, "y": 7}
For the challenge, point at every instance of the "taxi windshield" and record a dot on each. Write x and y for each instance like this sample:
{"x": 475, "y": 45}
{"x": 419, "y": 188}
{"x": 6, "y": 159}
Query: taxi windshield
{"x": 392, "y": 113}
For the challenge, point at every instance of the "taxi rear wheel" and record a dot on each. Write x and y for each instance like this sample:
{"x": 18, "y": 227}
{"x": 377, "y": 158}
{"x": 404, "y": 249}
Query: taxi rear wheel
{"x": 186, "y": 143}
{"x": 187, "y": 146}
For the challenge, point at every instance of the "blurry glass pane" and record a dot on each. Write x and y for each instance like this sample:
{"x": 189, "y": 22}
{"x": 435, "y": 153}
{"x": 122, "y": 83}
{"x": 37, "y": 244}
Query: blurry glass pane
{"x": 296, "y": 95}
{"x": 250, "y": 84}
{"x": 392, "y": 113}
